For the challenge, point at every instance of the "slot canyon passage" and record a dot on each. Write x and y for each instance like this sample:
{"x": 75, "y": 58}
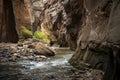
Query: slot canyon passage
{"x": 59, "y": 40}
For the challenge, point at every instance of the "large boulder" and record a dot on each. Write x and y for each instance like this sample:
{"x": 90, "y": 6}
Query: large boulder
{"x": 41, "y": 49}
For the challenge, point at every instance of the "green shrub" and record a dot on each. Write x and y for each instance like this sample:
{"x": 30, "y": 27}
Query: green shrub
{"x": 41, "y": 35}
{"x": 26, "y": 33}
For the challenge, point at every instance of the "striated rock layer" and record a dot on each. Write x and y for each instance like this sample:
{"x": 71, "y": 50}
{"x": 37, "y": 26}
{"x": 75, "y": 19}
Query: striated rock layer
{"x": 98, "y": 38}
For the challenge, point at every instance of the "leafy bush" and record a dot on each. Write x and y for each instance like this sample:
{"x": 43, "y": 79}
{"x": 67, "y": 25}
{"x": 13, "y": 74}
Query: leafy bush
{"x": 41, "y": 35}
{"x": 26, "y": 33}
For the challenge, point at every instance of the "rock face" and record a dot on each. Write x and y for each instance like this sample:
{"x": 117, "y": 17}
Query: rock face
{"x": 13, "y": 15}
{"x": 58, "y": 18}
{"x": 22, "y": 12}
{"x": 7, "y": 22}
{"x": 98, "y": 39}
{"x": 93, "y": 33}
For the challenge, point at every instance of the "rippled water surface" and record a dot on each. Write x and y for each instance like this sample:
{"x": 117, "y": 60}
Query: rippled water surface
{"x": 56, "y": 68}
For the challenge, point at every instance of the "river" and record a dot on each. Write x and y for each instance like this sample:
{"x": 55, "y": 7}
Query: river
{"x": 56, "y": 68}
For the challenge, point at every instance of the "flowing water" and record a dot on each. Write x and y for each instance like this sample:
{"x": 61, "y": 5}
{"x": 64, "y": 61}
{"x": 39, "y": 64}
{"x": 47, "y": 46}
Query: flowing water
{"x": 56, "y": 68}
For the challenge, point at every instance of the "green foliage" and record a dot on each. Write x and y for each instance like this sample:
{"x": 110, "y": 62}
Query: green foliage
{"x": 41, "y": 35}
{"x": 25, "y": 33}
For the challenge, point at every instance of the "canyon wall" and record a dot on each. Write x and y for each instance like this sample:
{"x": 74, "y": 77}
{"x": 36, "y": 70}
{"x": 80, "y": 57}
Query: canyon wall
{"x": 13, "y": 15}
{"x": 99, "y": 38}
{"x": 60, "y": 18}
{"x": 22, "y": 12}
{"x": 8, "y": 31}
{"x": 92, "y": 37}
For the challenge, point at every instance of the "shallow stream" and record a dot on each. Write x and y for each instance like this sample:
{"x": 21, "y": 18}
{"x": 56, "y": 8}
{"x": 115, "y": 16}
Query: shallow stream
{"x": 56, "y": 68}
